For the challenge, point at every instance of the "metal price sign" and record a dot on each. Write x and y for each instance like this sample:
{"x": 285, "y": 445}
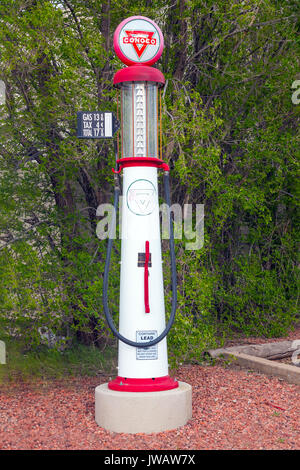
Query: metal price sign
{"x": 96, "y": 125}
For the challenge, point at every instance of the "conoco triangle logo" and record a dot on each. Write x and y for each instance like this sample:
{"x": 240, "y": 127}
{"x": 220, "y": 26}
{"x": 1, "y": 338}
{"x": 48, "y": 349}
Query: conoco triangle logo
{"x": 140, "y": 40}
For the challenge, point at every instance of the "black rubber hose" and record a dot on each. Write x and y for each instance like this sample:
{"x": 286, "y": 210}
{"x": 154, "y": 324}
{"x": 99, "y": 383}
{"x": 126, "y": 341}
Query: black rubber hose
{"x": 173, "y": 272}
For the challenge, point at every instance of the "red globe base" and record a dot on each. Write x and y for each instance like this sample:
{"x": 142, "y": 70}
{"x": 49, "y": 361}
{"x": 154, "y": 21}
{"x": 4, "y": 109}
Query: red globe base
{"x": 156, "y": 384}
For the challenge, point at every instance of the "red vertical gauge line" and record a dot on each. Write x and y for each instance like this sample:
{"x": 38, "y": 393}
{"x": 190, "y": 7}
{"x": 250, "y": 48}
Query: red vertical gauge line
{"x": 146, "y": 278}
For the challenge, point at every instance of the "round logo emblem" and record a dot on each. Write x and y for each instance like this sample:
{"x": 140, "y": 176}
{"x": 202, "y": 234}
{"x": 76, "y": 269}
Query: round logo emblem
{"x": 138, "y": 40}
{"x": 141, "y": 197}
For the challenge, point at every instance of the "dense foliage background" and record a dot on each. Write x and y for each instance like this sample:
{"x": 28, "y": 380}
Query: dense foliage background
{"x": 231, "y": 135}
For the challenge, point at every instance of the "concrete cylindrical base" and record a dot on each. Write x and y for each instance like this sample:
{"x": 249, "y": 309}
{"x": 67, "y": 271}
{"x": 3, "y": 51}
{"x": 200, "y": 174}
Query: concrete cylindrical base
{"x": 145, "y": 412}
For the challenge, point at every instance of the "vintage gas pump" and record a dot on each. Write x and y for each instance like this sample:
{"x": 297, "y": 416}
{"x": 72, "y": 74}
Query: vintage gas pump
{"x": 143, "y": 384}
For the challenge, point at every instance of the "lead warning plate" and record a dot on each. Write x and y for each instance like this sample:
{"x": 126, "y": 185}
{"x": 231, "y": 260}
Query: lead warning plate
{"x": 146, "y": 354}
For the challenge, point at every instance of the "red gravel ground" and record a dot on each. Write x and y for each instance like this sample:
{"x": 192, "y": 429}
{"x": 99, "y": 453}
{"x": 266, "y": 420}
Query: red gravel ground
{"x": 232, "y": 409}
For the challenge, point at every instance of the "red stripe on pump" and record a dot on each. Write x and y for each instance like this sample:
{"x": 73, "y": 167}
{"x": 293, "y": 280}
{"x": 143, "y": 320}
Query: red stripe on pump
{"x": 141, "y": 161}
{"x": 146, "y": 278}
{"x": 157, "y": 384}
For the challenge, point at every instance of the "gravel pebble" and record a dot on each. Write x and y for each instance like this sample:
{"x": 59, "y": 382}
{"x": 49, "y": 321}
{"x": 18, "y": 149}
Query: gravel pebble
{"x": 232, "y": 409}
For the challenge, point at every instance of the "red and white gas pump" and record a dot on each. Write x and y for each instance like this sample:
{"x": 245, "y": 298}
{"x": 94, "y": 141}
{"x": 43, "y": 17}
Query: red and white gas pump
{"x": 142, "y": 356}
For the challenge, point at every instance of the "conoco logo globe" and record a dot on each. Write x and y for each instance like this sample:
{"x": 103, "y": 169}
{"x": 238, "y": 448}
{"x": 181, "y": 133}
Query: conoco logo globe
{"x": 138, "y": 40}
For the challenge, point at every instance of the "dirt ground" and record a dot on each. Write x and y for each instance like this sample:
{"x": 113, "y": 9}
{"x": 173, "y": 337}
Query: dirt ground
{"x": 233, "y": 408}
